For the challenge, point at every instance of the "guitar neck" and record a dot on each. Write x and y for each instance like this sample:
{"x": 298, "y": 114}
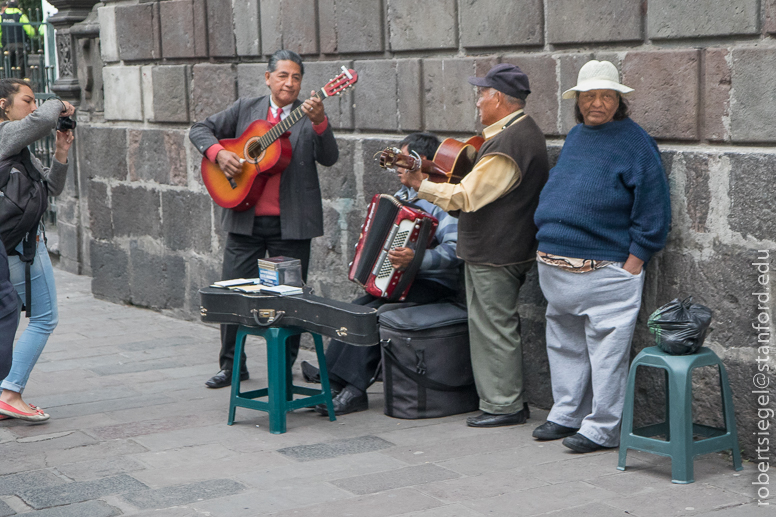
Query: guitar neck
{"x": 286, "y": 124}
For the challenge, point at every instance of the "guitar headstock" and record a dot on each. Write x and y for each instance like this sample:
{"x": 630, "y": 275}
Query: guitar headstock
{"x": 392, "y": 157}
{"x": 342, "y": 82}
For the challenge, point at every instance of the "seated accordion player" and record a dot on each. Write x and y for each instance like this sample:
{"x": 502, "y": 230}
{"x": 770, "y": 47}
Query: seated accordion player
{"x": 390, "y": 223}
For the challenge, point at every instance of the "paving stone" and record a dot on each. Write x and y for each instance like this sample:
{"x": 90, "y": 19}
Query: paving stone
{"x": 665, "y": 101}
{"x": 753, "y": 107}
{"x": 137, "y": 31}
{"x": 102, "y": 468}
{"x": 588, "y": 21}
{"x": 540, "y": 500}
{"x": 5, "y": 510}
{"x": 184, "y": 494}
{"x": 750, "y": 193}
{"x": 109, "y": 48}
{"x": 385, "y": 504}
{"x": 221, "y": 43}
{"x": 136, "y": 211}
{"x": 410, "y": 94}
{"x": 491, "y": 484}
{"x": 339, "y": 109}
{"x": 87, "y": 509}
{"x": 10, "y": 485}
{"x": 336, "y": 448}
{"x": 699, "y": 499}
{"x": 570, "y": 64}
{"x": 79, "y": 491}
{"x": 351, "y": 26}
{"x": 377, "y": 95}
{"x": 501, "y": 23}
{"x": 109, "y": 271}
{"x": 542, "y": 103}
{"x": 716, "y": 95}
{"x": 183, "y": 24}
{"x": 250, "y": 80}
{"x": 99, "y": 212}
{"x": 271, "y": 33}
{"x": 450, "y": 101}
{"x": 246, "y": 28}
{"x": 401, "y": 478}
{"x": 669, "y": 19}
{"x": 157, "y": 155}
{"x": 409, "y": 26}
{"x": 300, "y": 30}
{"x": 449, "y": 510}
{"x": 186, "y": 221}
{"x": 274, "y": 501}
{"x": 111, "y": 164}
{"x": 213, "y": 89}
{"x": 170, "y": 88}
{"x": 156, "y": 281}
{"x": 123, "y": 94}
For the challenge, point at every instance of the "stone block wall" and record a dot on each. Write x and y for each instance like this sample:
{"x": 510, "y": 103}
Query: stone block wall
{"x": 703, "y": 72}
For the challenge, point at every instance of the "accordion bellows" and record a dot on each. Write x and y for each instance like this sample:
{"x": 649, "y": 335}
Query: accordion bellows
{"x": 390, "y": 224}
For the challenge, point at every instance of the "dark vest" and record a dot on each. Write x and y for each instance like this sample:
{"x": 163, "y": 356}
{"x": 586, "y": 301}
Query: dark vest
{"x": 503, "y": 232}
{"x": 12, "y": 33}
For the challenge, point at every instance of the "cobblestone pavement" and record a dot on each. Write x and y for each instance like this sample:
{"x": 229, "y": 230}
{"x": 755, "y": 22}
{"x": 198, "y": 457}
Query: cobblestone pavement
{"x": 133, "y": 431}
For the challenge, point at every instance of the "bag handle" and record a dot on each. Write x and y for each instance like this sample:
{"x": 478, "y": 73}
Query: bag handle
{"x": 419, "y": 379}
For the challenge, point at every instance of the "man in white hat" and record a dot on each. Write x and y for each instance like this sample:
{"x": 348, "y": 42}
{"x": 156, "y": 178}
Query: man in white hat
{"x": 497, "y": 238}
{"x": 604, "y": 211}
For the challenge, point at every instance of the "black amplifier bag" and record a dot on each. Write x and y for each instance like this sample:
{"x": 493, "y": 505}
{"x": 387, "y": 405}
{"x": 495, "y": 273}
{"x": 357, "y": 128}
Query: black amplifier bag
{"x": 427, "y": 369}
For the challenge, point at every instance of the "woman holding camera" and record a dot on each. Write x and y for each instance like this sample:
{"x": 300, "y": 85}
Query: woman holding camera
{"x": 21, "y": 124}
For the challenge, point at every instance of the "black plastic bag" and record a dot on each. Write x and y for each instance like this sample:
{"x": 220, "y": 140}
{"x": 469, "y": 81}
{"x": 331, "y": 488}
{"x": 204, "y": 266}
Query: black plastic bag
{"x": 680, "y": 326}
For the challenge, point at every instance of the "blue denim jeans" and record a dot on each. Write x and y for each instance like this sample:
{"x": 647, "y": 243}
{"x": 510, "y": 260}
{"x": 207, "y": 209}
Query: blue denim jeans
{"x": 42, "y": 322}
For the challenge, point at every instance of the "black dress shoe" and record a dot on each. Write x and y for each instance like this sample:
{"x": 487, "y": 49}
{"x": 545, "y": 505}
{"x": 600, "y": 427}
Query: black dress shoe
{"x": 582, "y": 444}
{"x": 349, "y": 400}
{"x": 491, "y": 420}
{"x": 224, "y": 378}
{"x": 552, "y": 431}
{"x": 310, "y": 373}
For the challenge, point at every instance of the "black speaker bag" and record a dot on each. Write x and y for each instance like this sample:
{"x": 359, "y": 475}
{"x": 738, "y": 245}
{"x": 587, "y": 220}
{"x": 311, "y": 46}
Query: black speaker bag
{"x": 427, "y": 370}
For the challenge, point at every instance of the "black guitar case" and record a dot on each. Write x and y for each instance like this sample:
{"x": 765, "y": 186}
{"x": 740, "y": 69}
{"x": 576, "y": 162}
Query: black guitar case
{"x": 352, "y": 324}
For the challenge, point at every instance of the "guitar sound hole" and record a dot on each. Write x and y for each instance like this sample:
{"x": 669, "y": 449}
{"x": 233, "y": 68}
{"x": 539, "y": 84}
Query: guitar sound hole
{"x": 253, "y": 151}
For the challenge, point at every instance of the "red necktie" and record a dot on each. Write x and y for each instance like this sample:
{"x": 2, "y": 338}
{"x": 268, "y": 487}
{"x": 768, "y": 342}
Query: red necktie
{"x": 273, "y": 119}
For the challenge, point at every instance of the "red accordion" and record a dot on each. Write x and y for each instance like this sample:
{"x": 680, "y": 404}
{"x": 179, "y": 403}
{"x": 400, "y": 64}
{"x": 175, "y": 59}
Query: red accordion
{"x": 390, "y": 224}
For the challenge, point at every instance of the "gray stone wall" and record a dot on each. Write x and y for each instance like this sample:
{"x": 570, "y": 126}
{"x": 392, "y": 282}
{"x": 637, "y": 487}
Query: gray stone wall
{"x": 704, "y": 74}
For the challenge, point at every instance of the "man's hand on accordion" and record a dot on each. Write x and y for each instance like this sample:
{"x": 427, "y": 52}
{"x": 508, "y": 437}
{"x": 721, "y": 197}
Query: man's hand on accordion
{"x": 400, "y": 258}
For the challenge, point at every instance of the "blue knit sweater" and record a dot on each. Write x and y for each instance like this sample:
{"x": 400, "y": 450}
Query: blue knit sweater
{"x": 607, "y": 197}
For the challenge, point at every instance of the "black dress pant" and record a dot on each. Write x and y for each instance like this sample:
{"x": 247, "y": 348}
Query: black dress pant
{"x": 241, "y": 256}
{"x": 357, "y": 365}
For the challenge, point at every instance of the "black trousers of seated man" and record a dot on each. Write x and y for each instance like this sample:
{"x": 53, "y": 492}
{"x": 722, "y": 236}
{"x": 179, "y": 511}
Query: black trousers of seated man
{"x": 241, "y": 256}
{"x": 357, "y": 365}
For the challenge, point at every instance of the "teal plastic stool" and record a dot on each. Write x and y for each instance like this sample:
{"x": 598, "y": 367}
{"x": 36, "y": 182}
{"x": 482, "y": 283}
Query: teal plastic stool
{"x": 679, "y": 427}
{"x": 281, "y": 390}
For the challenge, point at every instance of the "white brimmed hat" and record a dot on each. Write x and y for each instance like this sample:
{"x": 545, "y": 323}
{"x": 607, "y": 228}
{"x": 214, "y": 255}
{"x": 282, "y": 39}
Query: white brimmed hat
{"x": 597, "y": 75}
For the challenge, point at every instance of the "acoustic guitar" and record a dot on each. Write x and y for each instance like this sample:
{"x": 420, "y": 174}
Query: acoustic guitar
{"x": 264, "y": 150}
{"x": 452, "y": 161}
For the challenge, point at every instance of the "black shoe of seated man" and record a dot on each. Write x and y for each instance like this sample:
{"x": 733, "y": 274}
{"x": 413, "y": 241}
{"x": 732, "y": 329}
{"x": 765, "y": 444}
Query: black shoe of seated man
{"x": 224, "y": 378}
{"x": 492, "y": 420}
{"x": 582, "y": 444}
{"x": 552, "y": 431}
{"x": 349, "y": 400}
{"x": 310, "y": 373}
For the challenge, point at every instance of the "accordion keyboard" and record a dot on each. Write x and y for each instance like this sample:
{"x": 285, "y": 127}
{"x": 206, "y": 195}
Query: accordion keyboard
{"x": 398, "y": 238}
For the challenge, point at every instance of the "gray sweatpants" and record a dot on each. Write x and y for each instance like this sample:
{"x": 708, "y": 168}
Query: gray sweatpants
{"x": 590, "y": 322}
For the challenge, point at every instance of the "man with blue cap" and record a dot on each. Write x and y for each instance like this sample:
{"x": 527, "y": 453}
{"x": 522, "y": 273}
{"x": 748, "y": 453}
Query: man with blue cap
{"x": 497, "y": 238}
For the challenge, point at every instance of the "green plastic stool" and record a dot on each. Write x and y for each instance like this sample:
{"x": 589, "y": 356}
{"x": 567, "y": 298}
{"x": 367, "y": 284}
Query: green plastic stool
{"x": 281, "y": 390}
{"x": 678, "y": 427}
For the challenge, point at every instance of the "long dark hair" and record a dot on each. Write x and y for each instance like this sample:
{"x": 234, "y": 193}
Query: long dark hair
{"x": 8, "y": 90}
{"x": 621, "y": 113}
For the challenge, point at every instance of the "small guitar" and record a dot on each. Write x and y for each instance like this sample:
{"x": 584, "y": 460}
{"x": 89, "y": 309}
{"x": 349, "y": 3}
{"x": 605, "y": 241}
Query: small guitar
{"x": 453, "y": 160}
{"x": 264, "y": 150}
